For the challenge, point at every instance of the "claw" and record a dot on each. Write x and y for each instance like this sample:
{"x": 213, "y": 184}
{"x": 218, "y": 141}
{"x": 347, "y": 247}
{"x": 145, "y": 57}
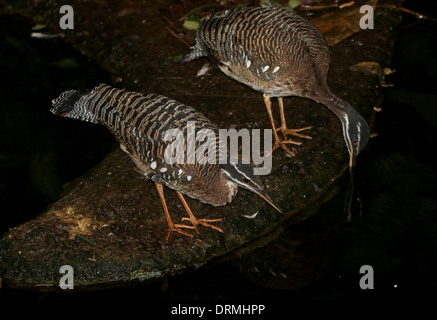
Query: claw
{"x": 204, "y": 222}
{"x": 294, "y": 132}
{"x": 194, "y": 221}
{"x": 283, "y": 128}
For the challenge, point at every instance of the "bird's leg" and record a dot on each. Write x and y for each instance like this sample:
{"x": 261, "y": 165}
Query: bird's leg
{"x": 171, "y": 225}
{"x": 283, "y": 127}
{"x": 278, "y": 142}
{"x": 194, "y": 221}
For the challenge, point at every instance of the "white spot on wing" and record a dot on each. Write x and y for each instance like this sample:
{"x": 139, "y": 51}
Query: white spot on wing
{"x": 164, "y": 169}
{"x": 265, "y": 68}
{"x": 153, "y": 165}
{"x": 189, "y": 178}
{"x": 275, "y": 70}
{"x": 248, "y": 63}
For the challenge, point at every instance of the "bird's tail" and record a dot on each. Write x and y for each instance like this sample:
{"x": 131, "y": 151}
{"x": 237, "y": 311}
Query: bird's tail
{"x": 73, "y": 104}
{"x": 197, "y": 51}
{"x": 192, "y": 55}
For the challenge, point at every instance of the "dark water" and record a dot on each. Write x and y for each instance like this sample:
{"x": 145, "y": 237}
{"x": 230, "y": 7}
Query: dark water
{"x": 37, "y": 154}
{"x": 396, "y": 233}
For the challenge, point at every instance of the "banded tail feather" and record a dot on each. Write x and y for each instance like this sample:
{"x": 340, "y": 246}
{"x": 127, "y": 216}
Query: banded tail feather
{"x": 74, "y": 104}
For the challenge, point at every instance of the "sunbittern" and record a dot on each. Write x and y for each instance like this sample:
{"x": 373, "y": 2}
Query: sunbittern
{"x": 140, "y": 124}
{"x": 280, "y": 54}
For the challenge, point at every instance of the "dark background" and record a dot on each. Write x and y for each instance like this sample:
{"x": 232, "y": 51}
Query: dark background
{"x": 396, "y": 175}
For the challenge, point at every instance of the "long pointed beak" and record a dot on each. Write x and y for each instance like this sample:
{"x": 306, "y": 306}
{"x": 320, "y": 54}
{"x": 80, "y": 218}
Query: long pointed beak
{"x": 353, "y": 155}
{"x": 352, "y": 159}
{"x": 263, "y": 194}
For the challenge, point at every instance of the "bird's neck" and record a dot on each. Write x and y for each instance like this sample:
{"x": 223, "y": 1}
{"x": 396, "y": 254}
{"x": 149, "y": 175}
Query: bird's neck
{"x": 342, "y": 110}
{"x": 232, "y": 190}
{"x": 217, "y": 193}
{"x": 338, "y": 106}
{"x": 225, "y": 191}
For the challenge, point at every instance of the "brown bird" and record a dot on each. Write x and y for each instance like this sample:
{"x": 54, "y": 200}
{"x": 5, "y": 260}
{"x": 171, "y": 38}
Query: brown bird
{"x": 141, "y": 123}
{"x": 279, "y": 54}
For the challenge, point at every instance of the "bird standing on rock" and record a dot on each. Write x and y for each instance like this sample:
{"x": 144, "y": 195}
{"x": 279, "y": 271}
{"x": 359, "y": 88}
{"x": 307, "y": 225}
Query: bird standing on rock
{"x": 279, "y": 54}
{"x": 140, "y": 123}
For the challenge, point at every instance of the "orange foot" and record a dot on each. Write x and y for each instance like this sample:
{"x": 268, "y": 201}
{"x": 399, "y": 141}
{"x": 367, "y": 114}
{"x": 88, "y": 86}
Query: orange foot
{"x": 194, "y": 221}
{"x": 295, "y": 132}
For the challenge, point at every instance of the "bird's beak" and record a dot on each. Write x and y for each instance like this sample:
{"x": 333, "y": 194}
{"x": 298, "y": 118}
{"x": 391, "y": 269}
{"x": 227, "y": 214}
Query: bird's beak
{"x": 353, "y": 154}
{"x": 263, "y": 194}
{"x": 352, "y": 159}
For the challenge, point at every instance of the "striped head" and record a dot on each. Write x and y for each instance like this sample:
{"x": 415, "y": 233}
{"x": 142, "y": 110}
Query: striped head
{"x": 356, "y": 134}
{"x": 241, "y": 174}
{"x": 356, "y": 131}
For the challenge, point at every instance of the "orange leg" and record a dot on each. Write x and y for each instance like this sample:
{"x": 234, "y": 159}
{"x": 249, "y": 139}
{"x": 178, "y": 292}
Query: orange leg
{"x": 171, "y": 225}
{"x": 194, "y": 221}
{"x": 284, "y": 129}
{"x": 278, "y": 142}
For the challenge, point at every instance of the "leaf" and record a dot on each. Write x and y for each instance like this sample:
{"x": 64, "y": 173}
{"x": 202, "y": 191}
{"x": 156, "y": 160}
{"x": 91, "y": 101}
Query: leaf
{"x": 174, "y": 58}
{"x": 190, "y": 25}
{"x": 38, "y": 27}
{"x": 294, "y": 3}
{"x": 337, "y": 25}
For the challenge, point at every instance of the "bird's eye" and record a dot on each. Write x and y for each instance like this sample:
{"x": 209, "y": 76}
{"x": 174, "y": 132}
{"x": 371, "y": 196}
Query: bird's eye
{"x": 246, "y": 180}
{"x": 354, "y": 143}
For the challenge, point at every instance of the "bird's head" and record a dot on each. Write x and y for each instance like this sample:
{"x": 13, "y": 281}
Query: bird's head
{"x": 356, "y": 134}
{"x": 242, "y": 175}
{"x": 356, "y": 131}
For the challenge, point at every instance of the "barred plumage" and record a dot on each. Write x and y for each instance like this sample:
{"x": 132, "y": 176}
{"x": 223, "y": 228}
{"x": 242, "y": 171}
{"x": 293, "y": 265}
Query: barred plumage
{"x": 279, "y": 54}
{"x": 140, "y": 123}
{"x": 255, "y": 45}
